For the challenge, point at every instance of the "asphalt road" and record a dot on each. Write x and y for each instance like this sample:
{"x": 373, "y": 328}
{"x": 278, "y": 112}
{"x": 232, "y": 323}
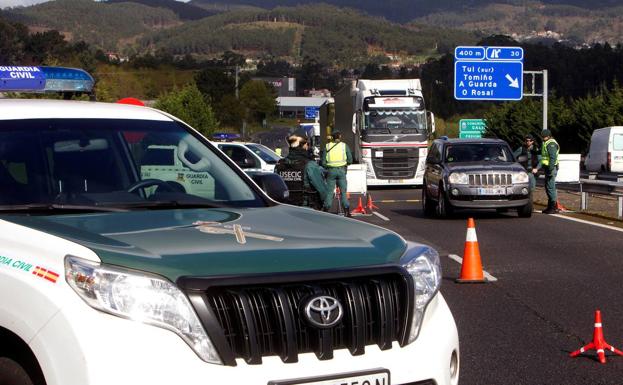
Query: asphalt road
{"x": 552, "y": 274}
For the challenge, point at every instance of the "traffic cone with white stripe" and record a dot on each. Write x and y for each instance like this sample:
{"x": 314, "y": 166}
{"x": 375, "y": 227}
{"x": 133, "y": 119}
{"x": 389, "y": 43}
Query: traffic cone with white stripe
{"x": 370, "y": 205}
{"x": 599, "y": 344}
{"x": 360, "y": 209}
{"x": 471, "y": 268}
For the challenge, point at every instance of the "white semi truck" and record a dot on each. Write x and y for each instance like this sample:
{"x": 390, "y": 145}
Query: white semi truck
{"x": 387, "y": 127}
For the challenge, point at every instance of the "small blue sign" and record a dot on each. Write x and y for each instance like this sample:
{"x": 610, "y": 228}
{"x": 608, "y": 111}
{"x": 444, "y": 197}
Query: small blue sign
{"x": 498, "y": 76}
{"x": 505, "y": 53}
{"x": 21, "y": 78}
{"x": 469, "y": 53}
{"x": 312, "y": 112}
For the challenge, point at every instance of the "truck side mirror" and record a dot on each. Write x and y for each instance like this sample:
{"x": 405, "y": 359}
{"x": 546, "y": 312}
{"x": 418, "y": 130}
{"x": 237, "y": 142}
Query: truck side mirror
{"x": 431, "y": 118}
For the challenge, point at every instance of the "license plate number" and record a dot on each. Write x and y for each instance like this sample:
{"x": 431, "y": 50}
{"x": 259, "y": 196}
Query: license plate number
{"x": 356, "y": 378}
{"x": 492, "y": 191}
{"x": 396, "y": 181}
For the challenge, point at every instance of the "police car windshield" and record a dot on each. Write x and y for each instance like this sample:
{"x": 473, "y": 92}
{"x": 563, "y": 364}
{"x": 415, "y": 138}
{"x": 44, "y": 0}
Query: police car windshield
{"x": 113, "y": 163}
{"x": 478, "y": 152}
{"x": 267, "y": 155}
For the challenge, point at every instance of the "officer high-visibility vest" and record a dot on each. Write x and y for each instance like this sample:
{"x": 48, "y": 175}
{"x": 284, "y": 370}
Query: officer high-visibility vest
{"x": 336, "y": 154}
{"x": 545, "y": 152}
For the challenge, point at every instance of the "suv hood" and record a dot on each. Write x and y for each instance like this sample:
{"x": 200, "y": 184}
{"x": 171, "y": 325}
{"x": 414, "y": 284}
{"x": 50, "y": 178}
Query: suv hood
{"x": 484, "y": 167}
{"x": 211, "y": 242}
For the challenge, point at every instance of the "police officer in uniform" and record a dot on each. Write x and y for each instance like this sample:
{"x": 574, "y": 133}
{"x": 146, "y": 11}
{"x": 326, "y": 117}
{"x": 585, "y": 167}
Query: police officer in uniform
{"x": 302, "y": 174}
{"x": 533, "y": 158}
{"x": 335, "y": 158}
{"x": 549, "y": 164}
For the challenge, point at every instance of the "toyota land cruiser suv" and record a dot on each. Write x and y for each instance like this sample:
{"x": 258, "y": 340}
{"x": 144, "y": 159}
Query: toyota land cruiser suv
{"x": 110, "y": 275}
{"x": 474, "y": 174}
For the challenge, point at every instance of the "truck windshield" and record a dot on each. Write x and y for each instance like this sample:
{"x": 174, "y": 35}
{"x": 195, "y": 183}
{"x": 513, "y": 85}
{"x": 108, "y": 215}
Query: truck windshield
{"x": 113, "y": 163}
{"x": 478, "y": 152}
{"x": 397, "y": 120}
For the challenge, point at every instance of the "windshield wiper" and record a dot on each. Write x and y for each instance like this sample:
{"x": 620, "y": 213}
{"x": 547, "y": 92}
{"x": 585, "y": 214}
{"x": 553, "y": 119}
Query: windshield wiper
{"x": 39, "y": 207}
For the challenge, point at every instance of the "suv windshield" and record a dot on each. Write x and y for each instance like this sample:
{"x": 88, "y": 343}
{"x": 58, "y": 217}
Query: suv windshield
{"x": 113, "y": 163}
{"x": 267, "y": 155}
{"x": 478, "y": 152}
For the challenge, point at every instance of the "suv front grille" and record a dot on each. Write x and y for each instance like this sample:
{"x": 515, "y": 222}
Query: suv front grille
{"x": 260, "y": 318}
{"x": 490, "y": 180}
{"x": 396, "y": 163}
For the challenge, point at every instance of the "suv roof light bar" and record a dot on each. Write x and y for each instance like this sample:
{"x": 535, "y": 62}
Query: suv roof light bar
{"x": 45, "y": 79}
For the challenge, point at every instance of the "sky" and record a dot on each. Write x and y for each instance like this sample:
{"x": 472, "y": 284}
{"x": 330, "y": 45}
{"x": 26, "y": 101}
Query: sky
{"x": 15, "y": 3}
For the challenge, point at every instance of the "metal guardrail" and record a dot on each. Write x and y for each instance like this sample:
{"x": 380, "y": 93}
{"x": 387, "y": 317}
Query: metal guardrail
{"x": 591, "y": 185}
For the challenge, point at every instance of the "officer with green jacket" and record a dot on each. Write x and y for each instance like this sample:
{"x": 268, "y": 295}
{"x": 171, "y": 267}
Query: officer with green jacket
{"x": 549, "y": 164}
{"x": 303, "y": 176}
{"x": 335, "y": 158}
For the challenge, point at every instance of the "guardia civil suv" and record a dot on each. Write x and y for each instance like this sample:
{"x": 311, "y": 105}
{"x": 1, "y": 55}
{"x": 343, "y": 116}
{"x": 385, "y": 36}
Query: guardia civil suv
{"x": 110, "y": 275}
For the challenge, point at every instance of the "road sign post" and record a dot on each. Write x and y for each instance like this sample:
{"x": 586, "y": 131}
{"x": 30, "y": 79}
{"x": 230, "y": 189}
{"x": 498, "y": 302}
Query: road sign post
{"x": 488, "y": 73}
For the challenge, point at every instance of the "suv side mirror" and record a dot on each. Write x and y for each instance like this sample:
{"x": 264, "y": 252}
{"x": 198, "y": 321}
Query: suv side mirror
{"x": 272, "y": 184}
{"x": 522, "y": 158}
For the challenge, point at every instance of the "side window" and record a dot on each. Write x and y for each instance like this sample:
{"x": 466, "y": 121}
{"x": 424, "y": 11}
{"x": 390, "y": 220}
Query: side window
{"x": 617, "y": 142}
{"x": 241, "y": 156}
{"x": 434, "y": 155}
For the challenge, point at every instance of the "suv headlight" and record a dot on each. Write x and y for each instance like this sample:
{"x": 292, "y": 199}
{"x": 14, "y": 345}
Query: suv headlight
{"x": 422, "y": 262}
{"x": 458, "y": 178}
{"x": 140, "y": 297}
{"x": 520, "y": 177}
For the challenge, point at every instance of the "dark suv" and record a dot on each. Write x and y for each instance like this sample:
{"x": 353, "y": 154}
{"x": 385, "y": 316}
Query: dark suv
{"x": 474, "y": 174}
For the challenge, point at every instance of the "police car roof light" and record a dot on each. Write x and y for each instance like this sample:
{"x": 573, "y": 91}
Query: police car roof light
{"x": 45, "y": 79}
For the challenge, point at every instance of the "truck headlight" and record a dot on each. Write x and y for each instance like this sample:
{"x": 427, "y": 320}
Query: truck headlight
{"x": 458, "y": 178}
{"x": 520, "y": 177}
{"x": 140, "y": 297}
{"x": 422, "y": 263}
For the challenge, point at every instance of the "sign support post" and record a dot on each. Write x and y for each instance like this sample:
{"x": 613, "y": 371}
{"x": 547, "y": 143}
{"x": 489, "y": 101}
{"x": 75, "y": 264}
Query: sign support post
{"x": 543, "y": 94}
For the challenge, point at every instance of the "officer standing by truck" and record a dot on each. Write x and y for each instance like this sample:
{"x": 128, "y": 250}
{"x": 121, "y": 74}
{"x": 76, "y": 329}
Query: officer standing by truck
{"x": 335, "y": 158}
{"x": 549, "y": 163}
{"x": 302, "y": 174}
{"x": 532, "y": 164}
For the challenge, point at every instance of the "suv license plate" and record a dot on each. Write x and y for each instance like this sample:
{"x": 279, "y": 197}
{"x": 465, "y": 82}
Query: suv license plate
{"x": 492, "y": 191}
{"x": 373, "y": 377}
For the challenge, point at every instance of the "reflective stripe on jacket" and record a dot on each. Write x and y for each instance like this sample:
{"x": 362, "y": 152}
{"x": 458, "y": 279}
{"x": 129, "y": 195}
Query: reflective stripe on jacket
{"x": 545, "y": 152}
{"x": 336, "y": 154}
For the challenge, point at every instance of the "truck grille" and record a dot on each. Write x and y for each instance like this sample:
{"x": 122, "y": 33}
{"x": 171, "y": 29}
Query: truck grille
{"x": 258, "y": 318}
{"x": 396, "y": 163}
{"x": 490, "y": 180}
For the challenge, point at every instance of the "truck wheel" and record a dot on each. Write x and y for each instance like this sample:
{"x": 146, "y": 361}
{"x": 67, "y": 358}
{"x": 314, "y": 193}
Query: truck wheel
{"x": 525, "y": 211}
{"x": 12, "y": 373}
{"x": 444, "y": 209}
{"x": 427, "y": 204}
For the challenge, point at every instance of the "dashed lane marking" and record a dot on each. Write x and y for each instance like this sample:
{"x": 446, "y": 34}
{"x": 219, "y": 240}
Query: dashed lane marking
{"x": 458, "y": 259}
{"x": 383, "y": 217}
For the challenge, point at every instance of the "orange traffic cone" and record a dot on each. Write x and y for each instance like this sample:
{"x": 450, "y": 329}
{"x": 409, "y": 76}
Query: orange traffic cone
{"x": 360, "y": 209}
{"x": 599, "y": 343}
{"x": 370, "y": 204}
{"x": 471, "y": 269}
{"x": 560, "y": 207}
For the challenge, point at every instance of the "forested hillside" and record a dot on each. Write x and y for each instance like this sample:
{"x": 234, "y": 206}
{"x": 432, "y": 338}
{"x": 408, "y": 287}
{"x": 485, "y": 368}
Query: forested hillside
{"x": 337, "y": 36}
{"x": 106, "y": 25}
{"x": 184, "y": 11}
{"x": 407, "y": 10}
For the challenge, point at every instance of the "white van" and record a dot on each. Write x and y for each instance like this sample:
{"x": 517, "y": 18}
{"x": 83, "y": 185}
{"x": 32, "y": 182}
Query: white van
{"x": 606, "y": 150}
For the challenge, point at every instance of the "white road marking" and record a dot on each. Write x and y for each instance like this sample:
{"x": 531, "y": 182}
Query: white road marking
{"x": 588, "y": 222}
{"x": 458, "y": 259}
{"x": 383, "y": 217}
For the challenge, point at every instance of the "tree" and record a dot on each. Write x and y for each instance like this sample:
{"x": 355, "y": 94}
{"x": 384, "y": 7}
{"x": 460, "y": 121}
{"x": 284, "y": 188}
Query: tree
{"x": 258, "y": 100}
{"x": 189, "y": 105}
{"x": 215, "y": 82}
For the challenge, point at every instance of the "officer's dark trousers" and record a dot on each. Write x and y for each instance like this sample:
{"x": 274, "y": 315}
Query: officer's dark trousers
{"x": 336, "y": 175}
{"x": 550, "y": 187}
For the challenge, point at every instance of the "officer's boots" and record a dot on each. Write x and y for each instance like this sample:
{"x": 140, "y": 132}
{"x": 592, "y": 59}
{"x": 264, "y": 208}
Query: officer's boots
{"x": 551, "y": 208}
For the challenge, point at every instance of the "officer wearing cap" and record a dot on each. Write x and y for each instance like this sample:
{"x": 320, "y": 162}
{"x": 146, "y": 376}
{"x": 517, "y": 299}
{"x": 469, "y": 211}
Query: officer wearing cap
{"x": 301, "y": 173}
{"x": 532, "y": 162}
{"x": 549, "y": 164}
{"x": 335, "y": 158}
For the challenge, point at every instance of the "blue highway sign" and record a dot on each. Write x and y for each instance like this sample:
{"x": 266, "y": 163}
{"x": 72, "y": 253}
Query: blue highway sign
{"x": 498, "y": 75}
{"x": 311, "y": 112}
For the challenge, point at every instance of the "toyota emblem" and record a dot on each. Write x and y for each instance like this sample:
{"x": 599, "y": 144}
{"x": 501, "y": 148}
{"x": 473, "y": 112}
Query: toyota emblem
{"x": 323, "y": 311}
